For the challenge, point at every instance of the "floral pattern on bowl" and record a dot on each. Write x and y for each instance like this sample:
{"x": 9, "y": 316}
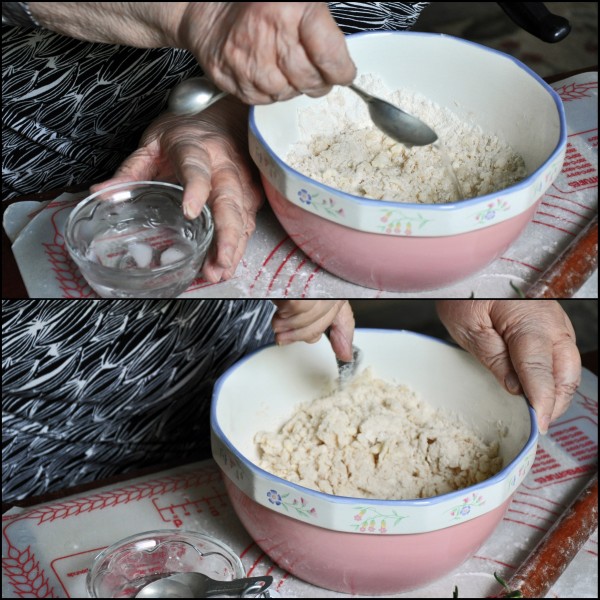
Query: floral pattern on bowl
{"x": 394, "y": 218}
{"x": 380, "y": 516}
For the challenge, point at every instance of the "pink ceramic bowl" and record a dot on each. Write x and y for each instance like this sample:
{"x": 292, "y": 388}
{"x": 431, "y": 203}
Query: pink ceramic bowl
{"x": 364, "y": 546}
{"x": 404, "y": 246}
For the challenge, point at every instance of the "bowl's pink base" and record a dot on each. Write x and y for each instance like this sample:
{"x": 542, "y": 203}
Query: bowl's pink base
{"x": 394, "y": 263}
{"x": 358, "y": 563}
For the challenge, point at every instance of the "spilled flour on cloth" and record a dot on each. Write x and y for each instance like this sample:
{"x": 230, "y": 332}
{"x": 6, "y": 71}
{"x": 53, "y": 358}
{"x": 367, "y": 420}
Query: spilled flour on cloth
{"x": 340, "y": 147}
{"x": 375, "y": 439}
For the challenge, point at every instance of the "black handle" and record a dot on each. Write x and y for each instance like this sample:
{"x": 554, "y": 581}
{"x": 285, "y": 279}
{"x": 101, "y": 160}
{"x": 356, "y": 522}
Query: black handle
{"x": 536, "y": 19}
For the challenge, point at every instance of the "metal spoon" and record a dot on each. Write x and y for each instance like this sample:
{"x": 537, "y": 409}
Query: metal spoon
{"x": 346, "y": 370}
{"x": 396, "y": 123}
{"x": 198, "y": 585}
{"x": 195, "y": 95}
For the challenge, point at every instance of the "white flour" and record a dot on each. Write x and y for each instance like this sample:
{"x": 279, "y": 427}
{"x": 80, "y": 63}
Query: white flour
{"x": 340, "y": 147}
{"x": 375, "y": 439}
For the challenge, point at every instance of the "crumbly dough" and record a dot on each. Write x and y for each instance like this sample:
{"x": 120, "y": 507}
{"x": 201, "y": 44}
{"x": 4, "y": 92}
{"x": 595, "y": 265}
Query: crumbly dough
{"x": 375, "y": 439}
{"x": 340, "y": 146}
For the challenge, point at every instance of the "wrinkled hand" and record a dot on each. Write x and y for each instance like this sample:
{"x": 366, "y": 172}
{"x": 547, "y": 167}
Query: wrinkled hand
{"x": 528, "y": 345}
{"x": 207, "y": 155}
{"x": 263, "y": 52}
{"x": 307, "y": 320}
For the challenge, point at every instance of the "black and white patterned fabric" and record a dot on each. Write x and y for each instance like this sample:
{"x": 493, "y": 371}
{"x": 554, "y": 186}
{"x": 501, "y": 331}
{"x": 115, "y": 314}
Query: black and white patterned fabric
{"x": 72, "y": 111}
{"x": 95, "y": 388}
{"x": 353, "y": 17}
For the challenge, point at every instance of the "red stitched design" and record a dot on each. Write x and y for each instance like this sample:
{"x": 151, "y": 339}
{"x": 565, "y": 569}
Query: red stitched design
{"x": 576, "y": 91}
{"x": 70, "y": 279}
{"x": 24, "y": 574}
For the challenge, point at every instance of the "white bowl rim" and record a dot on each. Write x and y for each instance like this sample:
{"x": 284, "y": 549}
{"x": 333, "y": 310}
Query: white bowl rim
{"x": 206, "y": 213}
{"x": 503, "y": 474}
{"x": 450, "y": 206}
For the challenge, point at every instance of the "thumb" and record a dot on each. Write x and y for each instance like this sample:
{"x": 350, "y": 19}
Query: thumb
{"x": 341, "y": 333}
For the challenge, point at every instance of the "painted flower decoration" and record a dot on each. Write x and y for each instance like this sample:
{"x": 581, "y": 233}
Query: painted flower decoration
{"x": 304, "y": 197}
{"x": 492, "y": 210}
{"x": 274, "y": 497}
{"x": 464, "y": 509}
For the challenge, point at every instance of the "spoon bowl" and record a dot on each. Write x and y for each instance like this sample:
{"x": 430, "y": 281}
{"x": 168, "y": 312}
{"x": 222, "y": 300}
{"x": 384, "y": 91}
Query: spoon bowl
{"x": 396, "y": 123}
{"x": 199, "y": 585}
{"x": 194, "y": 95}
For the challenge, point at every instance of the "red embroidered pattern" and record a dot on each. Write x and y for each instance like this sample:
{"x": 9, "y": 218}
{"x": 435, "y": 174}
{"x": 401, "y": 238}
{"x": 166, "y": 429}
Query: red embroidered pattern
{"x": 576, "y": 91}
{"x": 21, "y": 567}
{"x": 25, "y": 576}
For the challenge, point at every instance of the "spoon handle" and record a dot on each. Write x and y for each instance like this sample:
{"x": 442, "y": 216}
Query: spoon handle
{"x": 258, "y": 585}
{"x": 366, "y": 97}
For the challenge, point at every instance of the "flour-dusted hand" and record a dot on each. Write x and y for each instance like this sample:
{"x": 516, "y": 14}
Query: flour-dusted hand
{"x": 263, "y": 52}
{"x": 528, "y": 345}
{"x": 307, "y": 320}
{"x": 206, "y": 154}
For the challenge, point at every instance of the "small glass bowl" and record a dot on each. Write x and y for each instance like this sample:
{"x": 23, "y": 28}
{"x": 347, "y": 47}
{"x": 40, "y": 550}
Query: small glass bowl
{"x": 132, "y": 240}
{"x": 121, "y": 570}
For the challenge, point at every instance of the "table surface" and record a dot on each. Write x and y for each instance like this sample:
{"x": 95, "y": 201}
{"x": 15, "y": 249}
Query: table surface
{"x": 12, "y": 283}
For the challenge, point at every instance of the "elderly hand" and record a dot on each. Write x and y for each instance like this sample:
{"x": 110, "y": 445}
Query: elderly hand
{"x": 528, "y": 345}
{"x": 263, "y": 52}
{"x": 260, "y": 52}
{"x": 207, "y": 155}
{"x": 307, "y": 320}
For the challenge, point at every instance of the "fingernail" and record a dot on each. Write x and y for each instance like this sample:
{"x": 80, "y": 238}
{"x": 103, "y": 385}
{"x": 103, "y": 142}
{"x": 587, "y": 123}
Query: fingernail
{"x": 512, "y": 383}
{"x": 188, "y": 211}
{"x": 544, "y": 424}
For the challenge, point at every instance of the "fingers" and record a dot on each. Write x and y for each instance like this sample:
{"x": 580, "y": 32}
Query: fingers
{"x": 532, "y": 357}
{"x": 567, "y": 366}
{"x": 301, "y": 50}
{"x": 192, "y": 165}
{"x": 302, "y": 75}
{"x": 529, "y": 347}
{"x": 471, "y": 327}
{"x": 325, "y": 46}
{"x": 342, "y": 333}
{"x": 307, "y": 320}
{"x": 234, "y": 219}
{"x": 567, "y": 375}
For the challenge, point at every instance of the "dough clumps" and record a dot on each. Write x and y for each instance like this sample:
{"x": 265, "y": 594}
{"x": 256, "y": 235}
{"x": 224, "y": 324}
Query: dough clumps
{"x": 375, "y": 439}
{"x": 340, "y": 147}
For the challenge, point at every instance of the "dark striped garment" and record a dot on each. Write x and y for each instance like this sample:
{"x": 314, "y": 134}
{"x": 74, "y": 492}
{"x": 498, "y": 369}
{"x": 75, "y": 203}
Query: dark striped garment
{"x": 73, "y": 111}
{"x": 94, "y": 388}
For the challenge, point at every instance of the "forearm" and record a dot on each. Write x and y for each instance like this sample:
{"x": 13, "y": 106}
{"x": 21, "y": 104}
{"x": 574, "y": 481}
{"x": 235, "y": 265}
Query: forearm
{"x": 139, "y": 24}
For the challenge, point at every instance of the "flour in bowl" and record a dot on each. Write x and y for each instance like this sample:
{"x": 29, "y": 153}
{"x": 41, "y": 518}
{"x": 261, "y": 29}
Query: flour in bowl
{"x": 341, "y": 147}
{"x": 375, "y": 439}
